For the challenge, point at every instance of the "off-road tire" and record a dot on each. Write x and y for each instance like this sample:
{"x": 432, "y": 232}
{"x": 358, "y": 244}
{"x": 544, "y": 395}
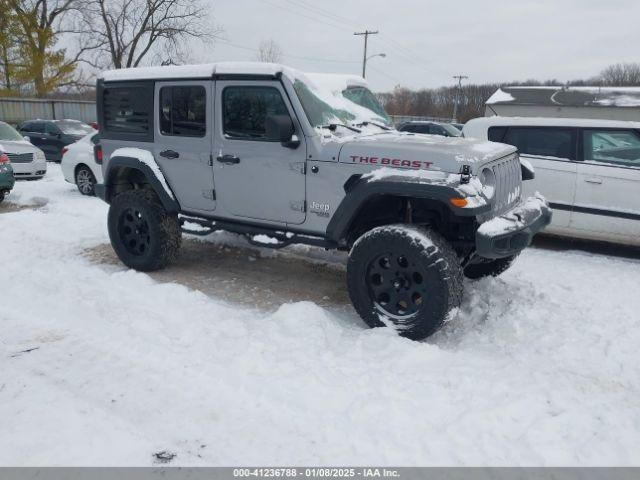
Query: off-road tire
{"x": 137, "y": 219}
{"x": 488, "y": 268}
{"x": 425, "y": 266}
{"x": 84, "y": 173}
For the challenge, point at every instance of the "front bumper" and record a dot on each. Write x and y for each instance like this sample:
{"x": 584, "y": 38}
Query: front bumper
{"x": 31, "y": 170}
{"x": 513, "y": 231}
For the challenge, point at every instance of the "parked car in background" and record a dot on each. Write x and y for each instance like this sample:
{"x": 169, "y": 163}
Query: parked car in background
{"x": 6, "y": 176}
{"x": 589, "y": 170}
{"x": 27, "y": 160}
{"x": 53, "y": 135}
{"x": 430, "y": 128}
{"x": 79, "y": 165}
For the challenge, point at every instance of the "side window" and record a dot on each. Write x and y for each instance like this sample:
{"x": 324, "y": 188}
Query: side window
{"x": 127, "y": 111}
{"x": 496, "y": 134}
{"x": 544, "y": 142}
{"x": 438, "y": 130}
{"x": 95, "y": 139}
{"x": 618, "y": 147}
{"x": 35, "y": 127}
{"x": 183, "y": 111}
{"x": 51, "y": 129}
{"x": 245, "y": 109}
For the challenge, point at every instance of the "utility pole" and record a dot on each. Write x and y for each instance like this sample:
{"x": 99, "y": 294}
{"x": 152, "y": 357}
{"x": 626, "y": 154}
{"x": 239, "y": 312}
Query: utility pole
{"x": 458, "y": 92}
{"x": 366, "y": 34}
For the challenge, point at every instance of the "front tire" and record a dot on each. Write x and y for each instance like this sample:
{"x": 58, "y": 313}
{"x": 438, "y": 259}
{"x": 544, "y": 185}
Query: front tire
{"x": 143, "y": 234}
{"x": 488, "y": 268}
{"x": 405, "y": 277}
{"x": 85, "y": 181}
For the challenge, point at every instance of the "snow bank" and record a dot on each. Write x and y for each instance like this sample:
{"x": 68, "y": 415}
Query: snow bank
{"x": 540, "y": 367}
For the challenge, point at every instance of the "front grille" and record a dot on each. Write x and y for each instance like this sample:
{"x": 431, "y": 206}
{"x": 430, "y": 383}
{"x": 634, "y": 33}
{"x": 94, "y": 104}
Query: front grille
{"x": 508, "y": 175}
{"x": 20, "y": 157}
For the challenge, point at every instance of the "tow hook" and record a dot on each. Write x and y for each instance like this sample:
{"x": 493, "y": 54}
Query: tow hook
{"x": 465, "y": 174}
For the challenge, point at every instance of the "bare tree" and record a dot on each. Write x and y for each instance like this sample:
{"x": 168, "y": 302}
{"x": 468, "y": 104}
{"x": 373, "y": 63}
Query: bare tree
{"x": 621, "y": 75}
{"x": 134, "y": 32}
{"x": 269, "y": 51}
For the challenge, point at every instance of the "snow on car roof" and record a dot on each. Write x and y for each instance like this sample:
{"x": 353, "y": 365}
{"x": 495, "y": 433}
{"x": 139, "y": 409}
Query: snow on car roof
{"x": 551, "y": 122}
{"x": 204, "y": 70}
{"x": 567, "y": 96}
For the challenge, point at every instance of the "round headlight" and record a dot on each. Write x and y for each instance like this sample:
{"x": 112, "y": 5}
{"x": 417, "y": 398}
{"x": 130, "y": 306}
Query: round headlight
{"x": 488, "y": 179}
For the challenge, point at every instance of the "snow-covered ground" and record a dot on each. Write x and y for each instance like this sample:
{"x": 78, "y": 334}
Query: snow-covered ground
{"x": 100, "y": 365}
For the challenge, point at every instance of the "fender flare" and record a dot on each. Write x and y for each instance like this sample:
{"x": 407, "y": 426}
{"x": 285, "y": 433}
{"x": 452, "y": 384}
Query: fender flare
{"x": 359, "y": 191}
{"x": 160, "y": 186}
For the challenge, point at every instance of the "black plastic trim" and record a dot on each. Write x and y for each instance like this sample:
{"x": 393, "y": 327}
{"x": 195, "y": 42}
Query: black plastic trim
{"x": 501, "y": 245}
{"x": 105, "y": 191}
{"x": 360, "y": 191}
{"x": 595, "y": 211}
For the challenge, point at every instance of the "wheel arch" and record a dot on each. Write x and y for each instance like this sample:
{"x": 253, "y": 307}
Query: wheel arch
{"x": 127, "y": 173}
{"x": 369, "y": 204}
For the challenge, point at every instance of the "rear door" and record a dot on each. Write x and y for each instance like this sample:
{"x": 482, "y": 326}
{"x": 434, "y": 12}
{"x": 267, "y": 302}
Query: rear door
{"x": 257, "y": 178}
{"x": 608, "y": 187}
{"x": 552, "y": 152}
{"x": 52, "y": 143}
{"x": 183, "y": 127}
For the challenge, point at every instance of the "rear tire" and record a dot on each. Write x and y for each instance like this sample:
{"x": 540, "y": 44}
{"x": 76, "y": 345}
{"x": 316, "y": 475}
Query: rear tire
{"x": 143, "y": 234}
{"x": 404, "y": 277}
{"x": 85, "y": 181}
{"x": 489, "y": 268}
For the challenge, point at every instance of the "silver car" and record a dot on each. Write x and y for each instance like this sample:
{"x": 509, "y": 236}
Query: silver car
{"x": 27, "y": 160}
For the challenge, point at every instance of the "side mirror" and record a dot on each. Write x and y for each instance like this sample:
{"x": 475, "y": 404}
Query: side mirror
{"x": 28, "y": 139}
{"x": 279, "y": 128}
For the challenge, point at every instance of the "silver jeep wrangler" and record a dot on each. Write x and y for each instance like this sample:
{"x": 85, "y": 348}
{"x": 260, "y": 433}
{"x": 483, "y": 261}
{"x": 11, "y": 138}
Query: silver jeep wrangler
{"x": 262, "y": 149}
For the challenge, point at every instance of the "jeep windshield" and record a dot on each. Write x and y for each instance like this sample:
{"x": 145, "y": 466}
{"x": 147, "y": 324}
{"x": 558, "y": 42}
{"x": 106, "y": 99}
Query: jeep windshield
{"x": 334, "y": 100}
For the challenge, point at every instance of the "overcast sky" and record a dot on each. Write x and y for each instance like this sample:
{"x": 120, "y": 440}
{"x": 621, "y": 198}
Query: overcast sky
{"x": 428, "y": 41}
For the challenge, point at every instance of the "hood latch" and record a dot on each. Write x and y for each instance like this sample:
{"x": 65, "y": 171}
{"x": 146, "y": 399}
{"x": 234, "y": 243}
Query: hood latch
{"x": 465, "y": 174}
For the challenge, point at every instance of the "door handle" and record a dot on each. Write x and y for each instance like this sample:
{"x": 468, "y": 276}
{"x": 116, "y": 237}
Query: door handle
{"x": 169, "y": 154}
{"x": 597, "y": 181}
{"x": 228, "y": 159}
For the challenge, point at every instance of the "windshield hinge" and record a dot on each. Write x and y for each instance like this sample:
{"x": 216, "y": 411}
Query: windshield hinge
{"x": 299, "y": 167}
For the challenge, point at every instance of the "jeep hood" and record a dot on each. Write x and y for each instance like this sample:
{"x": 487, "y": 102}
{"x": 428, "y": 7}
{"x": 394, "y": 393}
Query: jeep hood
{"x": 418, "y": 151}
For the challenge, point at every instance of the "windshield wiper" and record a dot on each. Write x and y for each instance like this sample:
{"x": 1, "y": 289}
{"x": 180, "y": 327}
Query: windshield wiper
{"x": 379, "y": 125}
{"x": 334, "y": 126}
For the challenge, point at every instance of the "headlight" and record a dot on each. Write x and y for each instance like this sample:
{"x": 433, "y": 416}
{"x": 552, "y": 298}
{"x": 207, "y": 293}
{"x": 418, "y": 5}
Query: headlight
{"x": 488, "y": 179}
{"x": 39, "y": 155}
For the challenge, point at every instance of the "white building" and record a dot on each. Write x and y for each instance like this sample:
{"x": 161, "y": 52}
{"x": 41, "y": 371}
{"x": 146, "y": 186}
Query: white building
{"x": 611, "y": 103}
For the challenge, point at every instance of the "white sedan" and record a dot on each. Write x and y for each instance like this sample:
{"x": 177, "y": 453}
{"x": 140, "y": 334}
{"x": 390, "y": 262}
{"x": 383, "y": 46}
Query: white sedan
{"x": 79, "y": 165}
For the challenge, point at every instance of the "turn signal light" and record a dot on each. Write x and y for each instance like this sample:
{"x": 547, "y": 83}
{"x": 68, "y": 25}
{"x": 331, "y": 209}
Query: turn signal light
{"x": 458, "y": 202}
{"x": 3, "y": 158}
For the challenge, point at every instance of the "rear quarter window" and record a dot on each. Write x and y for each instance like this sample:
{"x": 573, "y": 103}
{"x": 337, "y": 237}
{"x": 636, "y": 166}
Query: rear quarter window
{"x": 125, "y": 111}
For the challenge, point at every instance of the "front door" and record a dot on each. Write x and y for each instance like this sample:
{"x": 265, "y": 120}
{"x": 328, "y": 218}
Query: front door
{"x": 257, "y": 178}
{"x": 608, "y": 188}
{"x": 184, "y": 124}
